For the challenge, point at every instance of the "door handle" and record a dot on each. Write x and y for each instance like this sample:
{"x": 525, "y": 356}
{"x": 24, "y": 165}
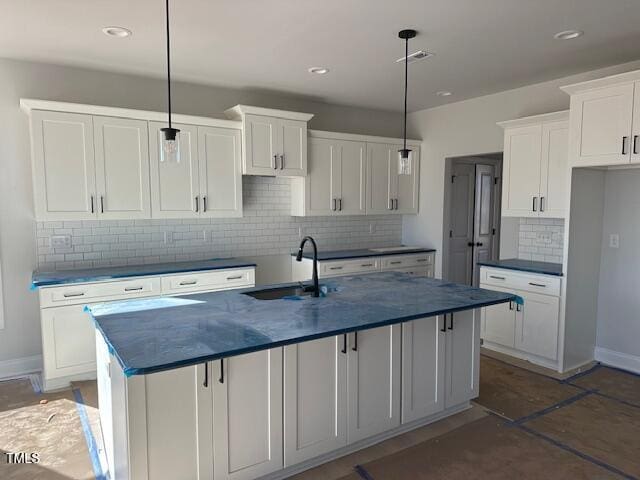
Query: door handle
{"x": 542, "y": 204}
{"x": 535, "y": 204}
{"x": 518, "y": 307}
{"x": 197, "y": 204}
{"x": 390, "y": 206}
{"x": 478, "y": 244}
{"x": 92, "y": 210}
{"x": 71, "y": 295}
{"x": 511, "y": 305}
{"x": 635, "y": 144}
{"x": 188, "y": 282}
{"x": 101, "y": 204}
{"x": 221, "y": 379}
{"x": 396, "y": 204}
{"x": 537, "y": 284}
{"x": 132, "y": 289}
{"x": 496, "y": 277}
{"x": 340, "y": 204}
{"x": 399, "y": 262}
{"x": 344, "y": 344}
{"x": 624, "y": 145}
{"x": 282, "y": 162}
{"x": 444, "y": 324}
{"x": 335, "y": 268}
{"x": 235, "y": 277}
{"x": 470, "y": 244}
{"x": 355, "y": 343}
{"x": 334, "y": 205}
{"x": 275, "y": 162}
{"x": 450, "y": 321}
{"x": 205, "y": 384}
{"x": 204, "y": 203}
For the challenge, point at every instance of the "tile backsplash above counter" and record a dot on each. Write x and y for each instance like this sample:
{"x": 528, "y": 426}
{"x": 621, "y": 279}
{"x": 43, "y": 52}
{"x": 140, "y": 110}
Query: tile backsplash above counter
{"x": 267, "y": 228}
{"x": 541, "y": 239}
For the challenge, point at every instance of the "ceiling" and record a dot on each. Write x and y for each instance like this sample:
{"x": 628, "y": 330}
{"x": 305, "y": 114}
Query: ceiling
{"x": 480, "y": 46}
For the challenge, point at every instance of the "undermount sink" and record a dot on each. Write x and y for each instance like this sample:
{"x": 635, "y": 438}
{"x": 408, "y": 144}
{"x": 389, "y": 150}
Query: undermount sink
{"x": 393, "y": 249}
{"x": 277, "y": 293}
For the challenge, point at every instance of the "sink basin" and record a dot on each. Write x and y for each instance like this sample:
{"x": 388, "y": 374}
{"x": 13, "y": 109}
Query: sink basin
{"x": 393, "y": 249}
{"x": 276, "y": 293}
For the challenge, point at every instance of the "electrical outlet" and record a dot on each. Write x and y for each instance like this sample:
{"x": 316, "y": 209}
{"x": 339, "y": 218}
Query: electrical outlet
{"x": 60, "y": 241}
{"x": 614, "y": 240}
{"x": 204, "y": 235}
{"x": 168, "y": 237}
{"x": 372, "y": 227}
{"x": 300, "y": 232}
{"x": 545, "y": 237}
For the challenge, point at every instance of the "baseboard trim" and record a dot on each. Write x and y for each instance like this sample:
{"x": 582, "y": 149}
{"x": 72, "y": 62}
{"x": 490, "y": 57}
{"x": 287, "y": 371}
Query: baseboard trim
{"x": 18, "y": 367}
{"x": 620, "y": 360}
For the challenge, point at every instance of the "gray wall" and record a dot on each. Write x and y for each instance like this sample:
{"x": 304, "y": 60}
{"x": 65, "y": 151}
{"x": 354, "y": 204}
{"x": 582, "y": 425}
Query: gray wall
{"x": 21, "y": 334}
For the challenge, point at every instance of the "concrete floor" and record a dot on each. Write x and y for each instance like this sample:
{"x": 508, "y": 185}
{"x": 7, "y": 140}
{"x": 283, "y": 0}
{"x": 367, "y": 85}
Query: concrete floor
{"x": 525, "y": 424}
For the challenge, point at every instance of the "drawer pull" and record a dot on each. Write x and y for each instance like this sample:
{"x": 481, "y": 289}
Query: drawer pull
{"x": 496, "y": 277}
{"x": 73, "y": 294}
{"x": 421, "y": 260}
{"x": 188, "y": 282}
{"x": 235, "y": 277}
{"x": 396, "y": 263}
{"x": 132, "y": 289}
{"x": 335, "y": 268}
{"x": 367, "y": 265}
{"x": 536, "y": 284}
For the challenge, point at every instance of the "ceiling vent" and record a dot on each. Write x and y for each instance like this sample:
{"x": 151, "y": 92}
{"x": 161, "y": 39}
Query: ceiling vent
{"x": 415, "y": 56}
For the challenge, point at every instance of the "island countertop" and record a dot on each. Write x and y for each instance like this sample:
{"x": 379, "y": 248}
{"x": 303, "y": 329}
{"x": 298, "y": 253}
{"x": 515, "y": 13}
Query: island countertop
{"x": 152, "y": 335}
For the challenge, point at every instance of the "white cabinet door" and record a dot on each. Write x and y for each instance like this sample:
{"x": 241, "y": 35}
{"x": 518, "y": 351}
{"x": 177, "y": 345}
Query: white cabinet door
{"x": 499, "y": 321}
{"x": 315, "y": 398}
{"x": 381, "y": 184}
{"x": 293, "y": 148}
{"x": 262, "y": 140}
{"x": 601, "y": 126}
{"x": 68, "y": 340}
{"x": 349, "y": 178}
{"x": 247, "y": 415}
{"x": 521, "y": 176}
{"x": 423, "y": 368}
{"x": 174, "y": 186}
{"x": 220, "y": 172}
{"x": 373, "y": 382}
{"x": 320, "y": 197}
{"x": 554, "y": 169}
{"x": 635, "y": 139}
{"x": 463, "y": 357}
{"x": 408, "y": 185}
{"x": 63, "y": 166}
{"x": 122, "y": 168}
{"x": 537, "y": 325}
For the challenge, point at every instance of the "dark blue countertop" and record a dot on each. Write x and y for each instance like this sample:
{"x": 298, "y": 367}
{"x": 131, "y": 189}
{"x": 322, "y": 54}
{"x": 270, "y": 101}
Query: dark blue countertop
{"x": 151, "y": 335}
{"x": 42, "y": 279}
{"x": 526, "y": 266}
{"x": 360, "y": 253}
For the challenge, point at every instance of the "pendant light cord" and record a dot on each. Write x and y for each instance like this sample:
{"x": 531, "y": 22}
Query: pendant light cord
{"x": 406, "y": 84}
{"x": 169, "y": 64}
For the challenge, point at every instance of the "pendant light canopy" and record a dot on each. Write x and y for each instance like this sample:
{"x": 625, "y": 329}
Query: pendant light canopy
{"x": 170, "y": 142}
{"x": 405, "y": 155}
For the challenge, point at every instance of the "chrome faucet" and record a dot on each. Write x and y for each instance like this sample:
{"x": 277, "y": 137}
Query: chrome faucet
{"x": 316, "y": 286}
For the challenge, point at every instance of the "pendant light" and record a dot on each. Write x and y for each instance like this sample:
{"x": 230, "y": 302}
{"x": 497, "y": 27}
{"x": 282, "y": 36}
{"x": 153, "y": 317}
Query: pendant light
{"x": 170, "y": 141}
{"x": 405, "y": 155}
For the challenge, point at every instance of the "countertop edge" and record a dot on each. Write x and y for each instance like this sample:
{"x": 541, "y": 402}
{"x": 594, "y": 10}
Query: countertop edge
{"x": 367, "y": 255}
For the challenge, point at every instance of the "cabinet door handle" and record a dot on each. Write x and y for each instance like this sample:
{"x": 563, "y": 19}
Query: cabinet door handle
{"x": 197, "y": 204}
{"x": 335, "y": 268}
{"x": 421, "y": 260}
{"x": 518, "y": 307}
{"x": 73, "y": 294}
{"x": 340, "y": 204}
{"x": 101, "y": 204}
{"x": 282, "y": 162}
{"x": 511, "y": 305}
{"x": 396, "y": 200}
{"x": 355, "y": 343}
{"x": 390, "y": 207}
{"x": 334, "y": 205}
{"x": 396, "y": 263}
{"x": 205, "y": 384}
{"x": 188, "y": 282}
{"x": 533, "y": 284}
{"x": 92, "y": 209}
{"x": 542, "y": 204}
{"x": 204, "y": 203}
{"x": 221, "y": 379}
{"x": 344, "y": 344}
{"x": 450, "y": 321}
{"x": 624, "y": 145}
{"x": 635, "y": 144}
{"x": 132, "y": 289}
{"x": 235, "y": 277}
{"x": 444, "y": 324}
{"x": 535, "y": 204}
{"x": 367, "y": 265}
{"x": 275, "y": 162}
{"x": 497, "y": 277}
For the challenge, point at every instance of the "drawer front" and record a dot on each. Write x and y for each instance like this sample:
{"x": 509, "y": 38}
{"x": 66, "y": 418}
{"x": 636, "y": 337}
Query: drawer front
{"x": 207, "y": 281}
{"x": 348, "y": 267}
{"x": 396, "y": 262}
{"x": 544, "y": 284}
{"x": 103, "y": 291}
{"x": 417, "y": 271}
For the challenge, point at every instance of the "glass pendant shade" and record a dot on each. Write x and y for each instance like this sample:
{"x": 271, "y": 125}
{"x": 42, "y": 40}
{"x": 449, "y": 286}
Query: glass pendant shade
{"x": 405, "y": 160}
{"x": 170, "y": 145}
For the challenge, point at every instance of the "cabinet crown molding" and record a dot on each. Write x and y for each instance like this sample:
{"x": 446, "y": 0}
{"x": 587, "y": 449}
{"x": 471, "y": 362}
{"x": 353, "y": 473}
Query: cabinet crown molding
{"x": 29, "y": 104}
{"x": 355, "y": 137}
{"x": 237, "y": 112}
{"x": 536, "y": 119}
{"x": 620, "y": 78}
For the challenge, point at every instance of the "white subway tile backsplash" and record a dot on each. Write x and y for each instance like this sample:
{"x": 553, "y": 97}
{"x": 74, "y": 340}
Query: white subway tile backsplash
{"x": 267, "y": 228}
{"x": 541, "y": 239}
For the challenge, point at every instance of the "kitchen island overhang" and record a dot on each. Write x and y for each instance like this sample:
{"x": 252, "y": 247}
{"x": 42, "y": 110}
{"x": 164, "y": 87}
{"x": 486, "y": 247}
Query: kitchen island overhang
{"x": 159, "y": 334}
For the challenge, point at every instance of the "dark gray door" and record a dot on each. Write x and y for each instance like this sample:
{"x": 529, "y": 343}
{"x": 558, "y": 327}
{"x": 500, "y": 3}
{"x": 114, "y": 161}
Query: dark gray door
{"x": 483, "y": 228}
{"x": 461, "y": 211}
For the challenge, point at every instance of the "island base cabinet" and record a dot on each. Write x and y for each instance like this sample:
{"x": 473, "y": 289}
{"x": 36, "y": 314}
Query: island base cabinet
{"x": 315, "y": 398}
{"x": 373, "y": 381}
{"x": 247, "y": 415}
{"x": 462, "y": 370}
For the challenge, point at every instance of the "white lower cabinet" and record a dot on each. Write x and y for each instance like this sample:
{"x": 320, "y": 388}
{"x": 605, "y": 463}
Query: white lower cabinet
{"x": 315, "y": 398}
{"x": 462, "y": 365}
{"x": 373, "y": 382}
{"x": 498, "y": 322}
{"x": 537, "y": 326}
{"x": 247, "y": 415}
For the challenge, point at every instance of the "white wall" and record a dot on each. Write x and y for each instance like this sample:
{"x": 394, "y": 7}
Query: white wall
{"x": 618, "y": 299}
{"x": 469, "y": 128}
{"x": 20, "y": 337}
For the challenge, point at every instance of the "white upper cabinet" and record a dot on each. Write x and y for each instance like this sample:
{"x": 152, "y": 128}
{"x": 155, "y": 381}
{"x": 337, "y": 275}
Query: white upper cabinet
{"x": 220, "y": 172}
{"x": 122, "y": 167}
{"x": 274, "y": 141}
{"x": 335, "y": 184}
{"x": 175, "y": 187}
{"x": 64, "y": 180}
{"x": 535, "y": 166}
{"x": 388, "y": 192}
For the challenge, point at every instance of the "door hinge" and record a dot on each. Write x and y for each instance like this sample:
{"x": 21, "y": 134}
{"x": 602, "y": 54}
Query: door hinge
{"x": 450, "y": 233}
{"x": 495, "y": 180}
{"x": 493, "y": 231}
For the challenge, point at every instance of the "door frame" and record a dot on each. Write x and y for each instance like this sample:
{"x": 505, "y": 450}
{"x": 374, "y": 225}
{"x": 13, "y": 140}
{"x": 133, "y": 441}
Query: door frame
{"x": 494, "y": 159}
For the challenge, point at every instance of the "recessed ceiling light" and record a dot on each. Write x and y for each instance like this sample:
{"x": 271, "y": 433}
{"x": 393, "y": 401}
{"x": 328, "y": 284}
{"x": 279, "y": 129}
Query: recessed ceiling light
{"x": 568, "y": 34}
{"x": 444, "y": 93}
{"x": 119, "y": 32}
{"x": 318, "y": 70}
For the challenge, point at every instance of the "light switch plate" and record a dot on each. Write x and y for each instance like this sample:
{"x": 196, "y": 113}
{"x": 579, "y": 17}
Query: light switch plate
{"x": 372, "y": 227}
{"x": 60, "y": 241}
{"x": 168, "y": 237}
{"x": 614, "y": 240}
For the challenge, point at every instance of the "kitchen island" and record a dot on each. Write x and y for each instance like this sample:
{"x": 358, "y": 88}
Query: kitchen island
{"x": 227, "y": 386}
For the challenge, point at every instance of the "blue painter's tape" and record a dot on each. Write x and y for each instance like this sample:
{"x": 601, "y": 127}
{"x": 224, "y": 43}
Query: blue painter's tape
{"x": 88, "y": 436}
{"x": 519, "y": 300}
